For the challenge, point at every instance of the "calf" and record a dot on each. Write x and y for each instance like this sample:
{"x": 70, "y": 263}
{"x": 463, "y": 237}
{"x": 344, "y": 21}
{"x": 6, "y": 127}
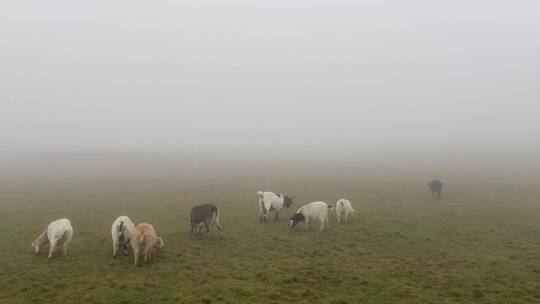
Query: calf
{"x": 205, "y": 215}
{"x": 122, "y": 231}
{"x": 316, "y": 211}
{"x": 58, "y": 235}
{"x": 145, "y": 239}
{"x": 435, "y": 186}
{"x": 343, "y": 210}
{"x": 269, "y": 201}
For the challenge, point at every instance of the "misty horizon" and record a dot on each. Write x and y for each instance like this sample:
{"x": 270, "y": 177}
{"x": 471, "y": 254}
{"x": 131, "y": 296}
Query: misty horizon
{"x": 283, "y": 77}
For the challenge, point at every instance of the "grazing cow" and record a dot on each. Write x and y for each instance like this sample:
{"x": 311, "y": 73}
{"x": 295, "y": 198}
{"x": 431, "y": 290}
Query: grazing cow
{"x": 58, "y": 235}
{"x": 145, "y": 239}
{"x": 269, "y": 201}
{"x": 343, "y": 210}
{"x": 121, "y": 231}
{"x": 205, "y": 215}
{"x": 316, "y": 211}
{"x": 435, "y": 186}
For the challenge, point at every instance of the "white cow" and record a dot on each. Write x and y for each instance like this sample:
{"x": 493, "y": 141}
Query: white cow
{"x": 271, "y": 201}
{"x": 122, "y": 231}
{"x": 343, "y": 210}
{"x": 58, "y": 235}
{"x": 316, "y": 211}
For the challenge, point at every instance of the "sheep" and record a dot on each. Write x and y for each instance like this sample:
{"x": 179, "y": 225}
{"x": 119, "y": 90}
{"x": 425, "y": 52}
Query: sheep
{"x": 145, "y": 239}
{"x": 58, "y": 235}
{"x": 121, "y": 231}
{"x": 316, "y": 211}
{"x": 205, "y": 215}
{"x": 435, "y": 186}
{"x": 269, "y": 201}
{"x": 343, "y": 210}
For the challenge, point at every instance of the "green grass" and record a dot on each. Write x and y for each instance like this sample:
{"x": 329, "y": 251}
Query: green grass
{"x": 480, "y": 244}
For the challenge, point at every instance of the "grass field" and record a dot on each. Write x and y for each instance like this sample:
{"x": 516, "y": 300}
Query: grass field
{"x": 479, "y": 244}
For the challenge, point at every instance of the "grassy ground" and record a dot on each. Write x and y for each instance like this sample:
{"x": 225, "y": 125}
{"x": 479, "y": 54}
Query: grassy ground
{"x": 480, "y": 244}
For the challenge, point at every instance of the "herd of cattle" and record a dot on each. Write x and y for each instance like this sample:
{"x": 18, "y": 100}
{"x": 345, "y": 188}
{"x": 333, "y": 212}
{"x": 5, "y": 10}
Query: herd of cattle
{"x": 143, "y": 238}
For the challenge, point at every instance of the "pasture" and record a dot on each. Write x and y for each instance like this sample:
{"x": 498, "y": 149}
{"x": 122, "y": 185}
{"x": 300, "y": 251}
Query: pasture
{"x": 479, "y": 244}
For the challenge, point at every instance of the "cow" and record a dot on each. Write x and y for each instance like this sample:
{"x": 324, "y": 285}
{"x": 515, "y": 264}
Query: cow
{"x": 435, "y": 186}
{"x": 144, "y": 241}
{"x": 269, "y": 201}
{"x": 58, "y": 235}
{"x": 204, "y": 215}
{"x": 343, "y": 210}
{"x": 316, "y": 211}
{"x": 122, "y": 231}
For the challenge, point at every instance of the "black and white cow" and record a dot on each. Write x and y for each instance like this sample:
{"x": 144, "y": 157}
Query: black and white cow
{"x": 313, "y": 212}
{"x": 122, "y": 231}
{"x": 269, "y": 201}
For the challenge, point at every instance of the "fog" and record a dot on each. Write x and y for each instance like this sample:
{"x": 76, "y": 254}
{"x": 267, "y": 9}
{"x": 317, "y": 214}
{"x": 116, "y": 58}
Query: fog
{"x": 270, "y": 76}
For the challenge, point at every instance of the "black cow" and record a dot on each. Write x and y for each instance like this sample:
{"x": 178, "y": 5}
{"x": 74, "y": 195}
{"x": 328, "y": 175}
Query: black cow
{"x": 435, "y": 186}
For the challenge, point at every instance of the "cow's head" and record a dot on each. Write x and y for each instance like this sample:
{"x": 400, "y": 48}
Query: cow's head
{"x": 39, "y": 243}
{"x": 287, "y": 201}
{"x": 159, "y": 244}
{"x": 35, "y": 247}
{"x": 295, "y": 219}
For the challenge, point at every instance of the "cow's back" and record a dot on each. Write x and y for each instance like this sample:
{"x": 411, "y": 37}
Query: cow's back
{"x": 200, "y": 213}
{"x": 314, "y": 209}
{"x": 436, "y": 185}
{"x": 144, "y": 231}
{"x": 59, "y": 228}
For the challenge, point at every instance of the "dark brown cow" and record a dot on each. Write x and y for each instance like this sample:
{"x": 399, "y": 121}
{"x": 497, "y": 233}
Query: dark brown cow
{"x": 435, "y": 186}
{"x": 205, "y": 215}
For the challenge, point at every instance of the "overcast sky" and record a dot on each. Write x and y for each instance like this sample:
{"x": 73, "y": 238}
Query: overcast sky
{"x": 269, "y": 75}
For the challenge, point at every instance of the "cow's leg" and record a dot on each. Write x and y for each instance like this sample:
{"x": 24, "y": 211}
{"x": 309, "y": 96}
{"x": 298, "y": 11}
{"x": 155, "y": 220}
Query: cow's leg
{"x": 277, "y": 214}
{"x": 266, "y": 214}
{"x": 327, "y": 222}
{"x": 135, "y": 250}
{"x": 207, "y": 230}
{"x": 126, "y": 252}
{"x": 52, "y": 249}
{"x": 65, "y": 248}
{"x": 147, "y": 253}
{"x": 199, "y": 231}
{"x": 218, "y": 225}
{"x": 136, "y": 257}
{"x": 115, "y": 249}
{"x": 262, "y": 211}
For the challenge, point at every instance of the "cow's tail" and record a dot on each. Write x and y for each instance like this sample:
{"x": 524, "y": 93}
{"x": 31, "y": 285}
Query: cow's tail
{"x": 329, "y": 206}
{"x": 141, "y": 239}
{"x": 354, "y": 212}
{"x": 216, "y": 219}
{"x": 261, "y": 202}
{"x": 215, "y": 212}
{"x": 121, "y": 228}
